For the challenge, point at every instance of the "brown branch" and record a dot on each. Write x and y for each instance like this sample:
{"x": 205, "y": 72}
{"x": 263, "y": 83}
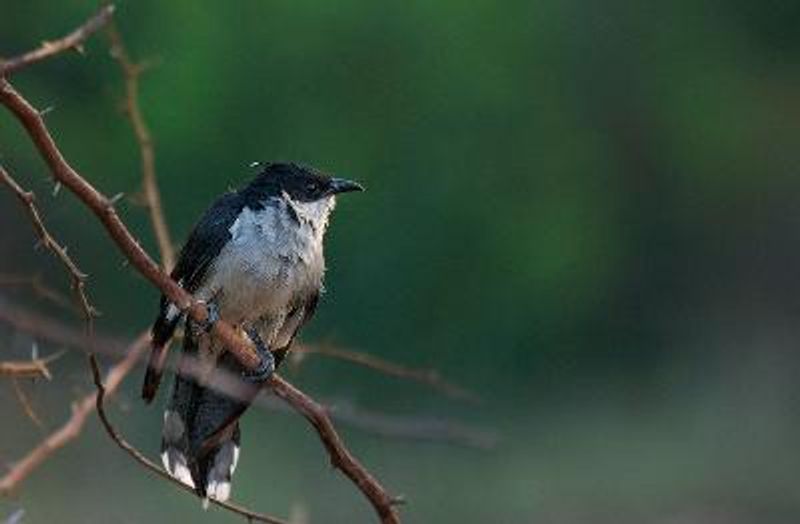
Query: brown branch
{"x": 103, "y": 208}
{"x": 34, "y": 368}
{"x": 49, "y": 49}
{"x": 81, "y": 410}
{"x": 340, "y": 457}
{"x": 147, "y": 463}
{"x": 242, "y": 350}
{"x": 408, "y": 427}
{"x": 25, "y": 402}
{"x": 72, "y": 428}
{"x": 413, "y": 427}
{"x": 429, "y": 377}
{"x": 152, "y": 196}
{"x": 77, "y": 276}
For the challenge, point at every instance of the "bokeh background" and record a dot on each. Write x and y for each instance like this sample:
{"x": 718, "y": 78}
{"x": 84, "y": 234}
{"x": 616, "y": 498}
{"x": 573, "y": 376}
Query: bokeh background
{"x": 585, "y": 212}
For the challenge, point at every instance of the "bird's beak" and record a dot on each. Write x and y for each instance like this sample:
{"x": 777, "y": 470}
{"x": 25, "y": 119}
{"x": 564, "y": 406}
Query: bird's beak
{"x": 341, "y": 185}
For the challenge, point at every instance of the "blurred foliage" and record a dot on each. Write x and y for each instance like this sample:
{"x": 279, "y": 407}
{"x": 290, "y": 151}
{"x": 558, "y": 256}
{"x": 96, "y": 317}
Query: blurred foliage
{"x": 585, "y": 211}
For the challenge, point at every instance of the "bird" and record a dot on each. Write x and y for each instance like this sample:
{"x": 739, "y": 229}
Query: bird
{"x": 255, "y": 259}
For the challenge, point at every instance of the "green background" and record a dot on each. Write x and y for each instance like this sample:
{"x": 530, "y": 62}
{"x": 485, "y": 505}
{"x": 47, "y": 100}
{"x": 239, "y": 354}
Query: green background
{"x": 585, "y": 212}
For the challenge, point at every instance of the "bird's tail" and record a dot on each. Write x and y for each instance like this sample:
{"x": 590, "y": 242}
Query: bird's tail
{"x": 168, "y": 319}
{"x": 201, "y": 436}
{"x": 155, "y": 368}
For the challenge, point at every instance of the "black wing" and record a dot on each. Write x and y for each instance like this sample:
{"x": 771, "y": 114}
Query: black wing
{"x": 205, "y": 242}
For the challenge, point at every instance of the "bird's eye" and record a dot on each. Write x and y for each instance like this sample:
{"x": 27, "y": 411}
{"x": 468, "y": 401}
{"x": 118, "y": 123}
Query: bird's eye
{"x": 311, "y": 187}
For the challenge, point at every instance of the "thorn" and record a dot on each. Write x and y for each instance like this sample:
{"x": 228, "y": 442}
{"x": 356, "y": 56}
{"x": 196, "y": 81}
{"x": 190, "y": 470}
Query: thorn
{"x": 116, "y": 198}
{"x": 34, "y": 351}
{"x": 255, "y": 164}
{"x": 46, "y": 110}
{"x": 398, "y": 500}
{"x": 56, "y": 189}
{"x": 55, "y": 356}
{"x": 79, "y": 49}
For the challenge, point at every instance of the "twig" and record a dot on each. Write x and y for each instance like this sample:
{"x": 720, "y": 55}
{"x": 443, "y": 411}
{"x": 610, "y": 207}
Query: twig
{"x": 414, "y": 427}
{"x": 51, "y": 330}
{"x": 38, "y": 287}
{"x": 34, "y": 368}
{"x": 26, "y": 403}
{"x": 49, "y": 49}
{"x": 81, "y": 411}
{"x": 340, "y": 457}
{"x": 147, "y": 463}
{"x": 242, "y": 350}
{"x": 410, "y": 427}
{"x": 77, "y": 276}
{"x": 103, "y": 208}
{"x": 72, "y": 428}
{"x": 429, "y": 377}
{"x": 152, "y": 196}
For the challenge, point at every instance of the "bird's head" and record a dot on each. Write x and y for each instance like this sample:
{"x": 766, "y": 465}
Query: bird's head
{"x": 311, "y": 193}
{"x": 301, "y": 183}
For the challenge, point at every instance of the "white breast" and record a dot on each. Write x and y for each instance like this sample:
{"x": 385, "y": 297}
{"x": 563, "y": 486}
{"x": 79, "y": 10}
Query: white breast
{"x": 270, "y": 262}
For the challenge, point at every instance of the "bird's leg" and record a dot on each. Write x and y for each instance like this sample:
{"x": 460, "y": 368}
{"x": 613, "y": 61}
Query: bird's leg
{"x": 267, "y": 365}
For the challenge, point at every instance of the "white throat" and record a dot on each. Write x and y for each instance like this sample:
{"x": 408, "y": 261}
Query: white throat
{"x": 316, "y": 214}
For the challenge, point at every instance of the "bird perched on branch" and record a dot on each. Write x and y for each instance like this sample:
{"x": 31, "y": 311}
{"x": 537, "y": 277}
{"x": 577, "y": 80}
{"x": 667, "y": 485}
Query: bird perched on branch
{"x": 256, "y": 260}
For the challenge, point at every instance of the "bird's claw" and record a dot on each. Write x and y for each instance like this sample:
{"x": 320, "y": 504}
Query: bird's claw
{"x": 212, "y": 316}
{"x": 267, "y": 365}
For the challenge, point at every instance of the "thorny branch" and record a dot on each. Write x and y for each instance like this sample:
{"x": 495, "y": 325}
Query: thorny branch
{"x": 103, "y": 208}
{"x": 34, "y": 368}
{"x": 414, "y": 427}
{"x": 72, "y": 428}
{"x": 49, "y": 49}
{"x": 83, "y": 408}
{"x": 102, "y": 391}
{"x": 341, "y": 458}
{"x": 429, "y": 377}
{"x": 77, "y": 276}
{"x": 26, "y": 403}
{"x": 152, "y": 196}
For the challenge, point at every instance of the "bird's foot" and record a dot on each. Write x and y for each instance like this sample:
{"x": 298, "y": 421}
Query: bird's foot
{"x": 212, "y": 316}
{"x": 267, "y": 365}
